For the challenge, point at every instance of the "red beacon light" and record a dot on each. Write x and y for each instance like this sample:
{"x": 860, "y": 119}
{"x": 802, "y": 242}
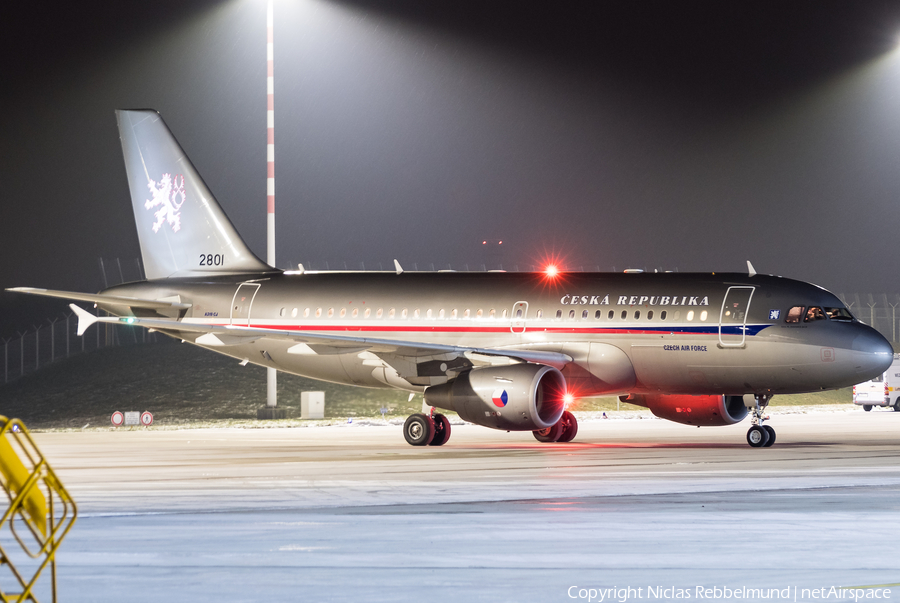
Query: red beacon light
{"x": 551, "y": 270}
{"x": 568, "y": 400}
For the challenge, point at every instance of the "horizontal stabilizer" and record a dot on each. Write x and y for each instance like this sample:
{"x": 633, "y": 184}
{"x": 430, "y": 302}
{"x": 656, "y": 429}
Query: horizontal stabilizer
{"x": 110, "y": 300}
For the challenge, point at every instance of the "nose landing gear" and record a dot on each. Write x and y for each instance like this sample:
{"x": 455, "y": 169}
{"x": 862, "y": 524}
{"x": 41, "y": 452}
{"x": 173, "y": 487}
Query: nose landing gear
{"x": 759, "y": 435}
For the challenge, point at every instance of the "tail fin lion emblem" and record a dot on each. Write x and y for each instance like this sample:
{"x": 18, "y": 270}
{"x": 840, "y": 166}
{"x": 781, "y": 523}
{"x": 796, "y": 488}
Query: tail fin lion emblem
{"x": 165, "y": 193}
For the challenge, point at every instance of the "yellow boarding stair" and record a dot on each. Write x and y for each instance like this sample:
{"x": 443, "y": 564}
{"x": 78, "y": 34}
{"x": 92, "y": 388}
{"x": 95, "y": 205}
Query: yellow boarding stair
{"x": 39, "y": 516}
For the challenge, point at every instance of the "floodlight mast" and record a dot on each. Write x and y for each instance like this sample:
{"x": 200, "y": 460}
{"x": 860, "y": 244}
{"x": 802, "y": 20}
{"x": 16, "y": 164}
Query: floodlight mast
{"x": 271, "y": 374}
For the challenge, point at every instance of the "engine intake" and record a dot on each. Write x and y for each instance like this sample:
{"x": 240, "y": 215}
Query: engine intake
{"x": 520, "y": 397}
{"x": 692, "y": 410}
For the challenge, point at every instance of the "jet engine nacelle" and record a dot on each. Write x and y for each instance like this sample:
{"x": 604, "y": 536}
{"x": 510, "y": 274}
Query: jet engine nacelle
{"x": 692, "y": 410}
{"x": 519, "y": 397}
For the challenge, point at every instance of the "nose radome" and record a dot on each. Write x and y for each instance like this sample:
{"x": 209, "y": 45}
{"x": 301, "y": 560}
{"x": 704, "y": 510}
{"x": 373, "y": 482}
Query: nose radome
{"x": 875, "y": 353}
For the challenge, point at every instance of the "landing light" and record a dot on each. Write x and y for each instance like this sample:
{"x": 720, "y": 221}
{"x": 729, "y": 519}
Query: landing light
{"x": 129, "y": 320}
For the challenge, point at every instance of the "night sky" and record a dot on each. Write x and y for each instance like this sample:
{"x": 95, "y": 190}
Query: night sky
{"x": 671, "y": 135}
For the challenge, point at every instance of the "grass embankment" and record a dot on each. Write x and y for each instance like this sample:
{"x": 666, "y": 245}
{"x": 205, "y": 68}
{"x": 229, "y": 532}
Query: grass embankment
{"x": 182, "y": 384}
{"x": 178, "y": 383}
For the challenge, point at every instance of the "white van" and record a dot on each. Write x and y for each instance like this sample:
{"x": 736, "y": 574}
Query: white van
{"x": 880, "y": 391}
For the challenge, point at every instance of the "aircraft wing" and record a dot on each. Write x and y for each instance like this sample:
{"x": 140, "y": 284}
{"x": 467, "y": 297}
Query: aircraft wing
{"x": 411, "y": 359}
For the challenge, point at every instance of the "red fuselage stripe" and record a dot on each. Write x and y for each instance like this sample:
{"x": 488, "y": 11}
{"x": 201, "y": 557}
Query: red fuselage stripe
{"x": 448, "y": 329}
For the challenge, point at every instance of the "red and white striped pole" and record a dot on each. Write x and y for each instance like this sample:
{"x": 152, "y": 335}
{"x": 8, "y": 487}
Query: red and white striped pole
{"x": 270, "y": 144}
{"x": 271, "y": 374}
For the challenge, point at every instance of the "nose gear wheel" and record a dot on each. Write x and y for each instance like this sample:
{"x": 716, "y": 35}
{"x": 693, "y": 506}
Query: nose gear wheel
{"x": 759, "y": 435}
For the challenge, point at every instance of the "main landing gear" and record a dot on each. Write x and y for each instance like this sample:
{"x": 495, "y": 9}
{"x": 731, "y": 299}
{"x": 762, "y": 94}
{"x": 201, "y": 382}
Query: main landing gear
{"x": 564, "y": 430}
{"x": 424, "y": 430}
{"x": 759, "y": 435}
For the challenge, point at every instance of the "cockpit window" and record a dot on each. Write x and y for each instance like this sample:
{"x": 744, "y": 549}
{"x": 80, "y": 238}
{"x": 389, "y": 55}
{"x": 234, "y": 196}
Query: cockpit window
{"x": 814, "y": 313}
{"x": 839, "y": 314}
{"x": 794, "y": 314}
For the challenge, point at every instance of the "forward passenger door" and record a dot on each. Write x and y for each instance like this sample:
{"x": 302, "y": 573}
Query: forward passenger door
{"x": 733, "y": 316}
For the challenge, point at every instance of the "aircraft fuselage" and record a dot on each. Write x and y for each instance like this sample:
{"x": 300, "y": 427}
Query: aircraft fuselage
{"x": 630, "y": 332}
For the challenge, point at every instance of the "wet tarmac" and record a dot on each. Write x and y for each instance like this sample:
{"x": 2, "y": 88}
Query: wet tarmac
{"x": 352, "y": 513}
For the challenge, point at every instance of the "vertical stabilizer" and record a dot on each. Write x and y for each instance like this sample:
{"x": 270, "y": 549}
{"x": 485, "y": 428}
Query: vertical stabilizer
{"x": 182, "y": 229}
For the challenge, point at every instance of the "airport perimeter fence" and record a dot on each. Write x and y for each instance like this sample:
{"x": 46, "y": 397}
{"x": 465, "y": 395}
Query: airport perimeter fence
{"x": 56, "y": 338}
{"x": 878, "y": 311}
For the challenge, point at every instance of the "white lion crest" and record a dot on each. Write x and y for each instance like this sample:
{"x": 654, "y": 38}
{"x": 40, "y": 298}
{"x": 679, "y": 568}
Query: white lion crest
{"x": 164, "y": 194}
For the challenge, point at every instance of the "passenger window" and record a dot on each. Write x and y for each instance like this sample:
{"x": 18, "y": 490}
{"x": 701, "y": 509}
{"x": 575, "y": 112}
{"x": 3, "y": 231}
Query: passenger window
{"x": 355, "y": 312}
{"x": 441, "y": 314}
{"x": 559, "y": 313}
{"x": 610, "y": 315}
{"x": 466, "y": 314}
{"x": 571, "y": 314}
{"x": 392, "y": 313}
{"x": 330, "y": 312}
{"x": 428, "y": 313}
{"x": 492, "y": 313}
{"x": 506, "y": 313}
{"x": 281, "y": 313}
{"x": 294, "y": 313}
{"x": 368, "y": 312}
{"x": 677, "y": 315}
{"x": 597, "y": 315}
{"x": 519, "y": 313}
{"x": 794, "y": 314}
{"x": 624, "y": 314}
{"x": 306, "y": 313}
{"x": 318, "y": 312}
{"x": 813, "y": 314}
{"x": 703, "y": 315}
{"x": 404, "y": 313}
{"x": 540, "y": 313}
{"x": 453, "y": 313}
{"x": 379, "y": 313}
{"x": 662, "y": 315}
{"x": 479, "y": 313}
{"x": 343, "y": 312}
{"x": 416, "y": 313}
{"x": 584, "y": 314}
{"x": 650, "y": 315}
{"x": 637, "y": 314}
{"x": 690, "y": 315}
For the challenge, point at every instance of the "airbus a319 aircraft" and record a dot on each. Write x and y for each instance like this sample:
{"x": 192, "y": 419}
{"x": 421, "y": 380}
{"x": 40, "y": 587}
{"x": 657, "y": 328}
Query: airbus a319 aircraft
{"x": 507, "y": 351}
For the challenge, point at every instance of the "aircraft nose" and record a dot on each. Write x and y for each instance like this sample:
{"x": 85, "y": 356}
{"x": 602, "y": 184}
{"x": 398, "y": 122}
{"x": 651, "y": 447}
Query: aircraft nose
{"x": 874, "y": 353}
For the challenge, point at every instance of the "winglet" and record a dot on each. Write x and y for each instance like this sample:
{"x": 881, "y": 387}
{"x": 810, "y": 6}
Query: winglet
{"x": 397, "y": 267}
{"x": 85, "y": 318}
{"x": 751, "y": 269}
